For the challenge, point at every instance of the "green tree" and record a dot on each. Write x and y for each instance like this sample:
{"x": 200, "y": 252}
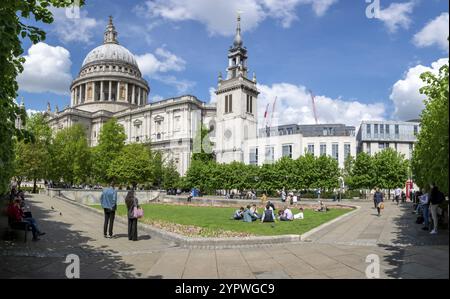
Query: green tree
{"x": 306, "y": 172}
{"x": 203, "y": 148}
{"x": 13, "y": 32}
{"x": 170, "y": 175}
{"x": 32, "y": 158}
{"x": 347, "y": 171}
{"x": 327, "y": 172}
{"x": 363, "y": 173}
{"x": 111, "y": 142}
{"x": 71, "y": 156}
{"x": 430, "y": 156}
{"x": 132, "y": 166}
{"x": 391, "y": 169}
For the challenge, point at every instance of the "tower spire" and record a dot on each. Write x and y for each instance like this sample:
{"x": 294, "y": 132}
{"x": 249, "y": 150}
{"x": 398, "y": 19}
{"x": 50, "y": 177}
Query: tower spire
{"x": 238, "y": 37}
{"x": 110, "y": 33}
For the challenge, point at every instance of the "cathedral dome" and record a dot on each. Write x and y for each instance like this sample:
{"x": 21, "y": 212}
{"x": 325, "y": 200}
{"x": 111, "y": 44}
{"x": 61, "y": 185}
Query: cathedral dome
{"x": 112, "y": 52}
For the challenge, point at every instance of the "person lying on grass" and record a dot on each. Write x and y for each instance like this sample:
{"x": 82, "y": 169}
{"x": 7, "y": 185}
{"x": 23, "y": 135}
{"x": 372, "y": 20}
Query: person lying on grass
{"x": 300, "y": 215}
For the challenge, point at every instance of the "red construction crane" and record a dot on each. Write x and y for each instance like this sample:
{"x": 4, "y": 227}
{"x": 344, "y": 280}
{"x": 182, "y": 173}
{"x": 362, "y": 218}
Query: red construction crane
{"x": 313, "y": 98}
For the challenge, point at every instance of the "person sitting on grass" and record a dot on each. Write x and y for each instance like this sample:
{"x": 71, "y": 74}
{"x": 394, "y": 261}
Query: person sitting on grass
{"x": 254, "y": 211}
{"x": 300, "y": 215}
{"x": 322, "y": 207}
{"x": 239, "y": 214}
{"x": 15, "y": 212}
{"x": 268, "y": 215}
{"x": 249, "y": 216}
{"x": 287, "y": 215}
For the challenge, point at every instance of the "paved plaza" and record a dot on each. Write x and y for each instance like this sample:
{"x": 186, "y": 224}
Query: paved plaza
{"x": 337, "y": 251}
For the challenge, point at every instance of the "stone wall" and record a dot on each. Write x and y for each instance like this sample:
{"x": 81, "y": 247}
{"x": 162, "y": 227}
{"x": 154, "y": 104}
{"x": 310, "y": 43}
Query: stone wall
{"x": 89, "y": 197}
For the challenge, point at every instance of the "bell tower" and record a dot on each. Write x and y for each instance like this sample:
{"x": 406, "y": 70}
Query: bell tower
{"x": 237, "y": 119}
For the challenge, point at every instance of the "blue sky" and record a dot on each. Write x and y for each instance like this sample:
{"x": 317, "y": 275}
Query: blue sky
{"x": 359, "y": 68}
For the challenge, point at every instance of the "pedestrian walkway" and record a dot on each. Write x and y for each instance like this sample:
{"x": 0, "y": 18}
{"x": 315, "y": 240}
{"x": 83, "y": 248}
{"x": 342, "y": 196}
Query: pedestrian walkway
{"x": 337, "y": 251}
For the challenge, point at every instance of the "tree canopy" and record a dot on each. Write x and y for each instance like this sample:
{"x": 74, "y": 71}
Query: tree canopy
{"x": 430, "y": 156}
{"x": 12, "y": 33}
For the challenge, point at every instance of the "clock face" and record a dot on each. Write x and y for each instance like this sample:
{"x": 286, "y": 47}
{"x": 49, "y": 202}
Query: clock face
{"x": 228, "y": 134}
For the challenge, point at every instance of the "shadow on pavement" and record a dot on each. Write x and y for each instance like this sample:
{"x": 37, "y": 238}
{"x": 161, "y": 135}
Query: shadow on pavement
{"x": 415, "y": 253}
{"x": 45, "y": 258}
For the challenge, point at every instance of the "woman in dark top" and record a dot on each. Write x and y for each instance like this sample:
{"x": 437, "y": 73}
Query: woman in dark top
{"x": 131, "y": 202}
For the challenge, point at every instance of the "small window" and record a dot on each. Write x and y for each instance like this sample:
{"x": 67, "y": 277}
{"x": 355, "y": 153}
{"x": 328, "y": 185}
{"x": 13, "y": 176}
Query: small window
{"x": 287, "y": 151}
{"x": 311, "y": 149}
{"x": 249, "y": 104}
{"x": 228, "y": 104}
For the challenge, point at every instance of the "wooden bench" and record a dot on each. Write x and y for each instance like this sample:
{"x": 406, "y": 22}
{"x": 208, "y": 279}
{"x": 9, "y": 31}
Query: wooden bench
{"x": 22, "y": 225}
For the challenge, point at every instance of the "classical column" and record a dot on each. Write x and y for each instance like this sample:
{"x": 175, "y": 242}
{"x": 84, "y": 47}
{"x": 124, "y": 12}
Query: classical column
{"x": 133, "y": 96}
{"x": 139, "y": 96}
{"x": 77, "y": 94}
{"x": 71, "y": 98}
{"x": 93, "y": 91}
{"x": 126, "y": 93}
{"x": 118, "y": 91}
{"x": 102, "y": 98}
{"x": 85, "y": 92}
{"x": 109, "y": 91}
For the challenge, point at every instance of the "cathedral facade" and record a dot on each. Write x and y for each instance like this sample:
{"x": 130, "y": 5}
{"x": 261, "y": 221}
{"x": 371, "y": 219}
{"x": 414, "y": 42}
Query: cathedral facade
{"x": 110, "y": 84}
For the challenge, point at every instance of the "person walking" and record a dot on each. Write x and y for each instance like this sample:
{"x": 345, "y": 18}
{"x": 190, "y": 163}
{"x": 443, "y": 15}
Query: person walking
{"x": 378, "y": 198}
{"x": 108, "y": 201}
{"x": 398, "y": 194}
{"x": 132, "y": 202}
{"x": 436, "y": 198}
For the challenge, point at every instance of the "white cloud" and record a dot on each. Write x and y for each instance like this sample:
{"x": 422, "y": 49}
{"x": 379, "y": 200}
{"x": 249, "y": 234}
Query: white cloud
{"x": 162, "y": 61}
{"x": 407, "y": 99}
{"x": 218, "y": 15}
{"x": 294, "y": 106}
{"x": 435, "y": 32}
{"x": 397, "y": 15}
{"x": 181, "y": 85}
{"x": 80, "y": 29}
{"x": 46, "y": 69}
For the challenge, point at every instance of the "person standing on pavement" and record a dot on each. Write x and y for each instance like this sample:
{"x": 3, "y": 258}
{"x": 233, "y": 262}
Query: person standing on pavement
{"x": 398, "y": 194}
{"x": 436, "y": 198}
{"x": 378, "y": 199}
{"x": 108, "y": 201}
{"x": 131, "y": 203}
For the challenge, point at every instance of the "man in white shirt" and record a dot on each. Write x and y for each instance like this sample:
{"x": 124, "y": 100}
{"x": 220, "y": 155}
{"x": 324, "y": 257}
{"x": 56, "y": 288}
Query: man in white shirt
{"x": 398, "y": 194}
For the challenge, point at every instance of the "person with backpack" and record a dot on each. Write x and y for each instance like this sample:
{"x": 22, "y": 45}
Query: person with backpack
{"x": 268, "y": 215}
{"x": 436, "y": 198}
{"x": 378, "y": 198}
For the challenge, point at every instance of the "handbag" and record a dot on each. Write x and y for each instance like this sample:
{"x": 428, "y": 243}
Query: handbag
{"x": 137, "y": 212}
{"x": 381, "y": 206}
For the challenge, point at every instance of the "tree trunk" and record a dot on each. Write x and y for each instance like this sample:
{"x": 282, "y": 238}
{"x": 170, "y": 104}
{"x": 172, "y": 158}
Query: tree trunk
{"x": 34, "y": 186}
{"x": 389, "y": 194}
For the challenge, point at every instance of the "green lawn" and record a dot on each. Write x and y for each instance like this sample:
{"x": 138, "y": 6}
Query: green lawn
{"x": 218, "y": 219}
